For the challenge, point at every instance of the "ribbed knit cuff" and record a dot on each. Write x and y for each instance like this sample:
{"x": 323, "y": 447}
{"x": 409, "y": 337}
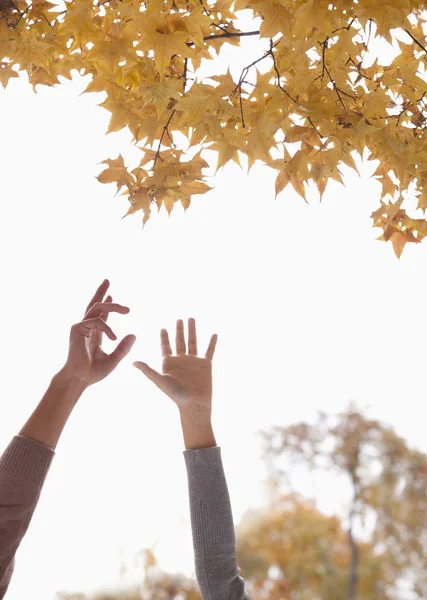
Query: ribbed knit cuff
{"x": 210, "y": 506}
{"x": 27, "y": 460}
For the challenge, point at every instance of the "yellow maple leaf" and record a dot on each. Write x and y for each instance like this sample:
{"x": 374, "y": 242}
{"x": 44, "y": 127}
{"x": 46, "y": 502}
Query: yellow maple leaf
{"x": 6, "y": 73}
{"x": 422, "y": 200}
{"x": 226, "y": 152}
{"x": 160, "y": 94}
{"x": 276, "y": 19}
{"x": 164, "y": 46}
{"x": 399, "y": 240}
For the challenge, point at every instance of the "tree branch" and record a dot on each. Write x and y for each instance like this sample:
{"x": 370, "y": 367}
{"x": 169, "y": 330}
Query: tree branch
{"x": 354, "y": 569}
{"x": 278, "y": 74}
{"x": 242, "y": 79}
{"x": 226, "y": 35}
{"x": 338, "y": 91}
{"x": 285, "y": 91}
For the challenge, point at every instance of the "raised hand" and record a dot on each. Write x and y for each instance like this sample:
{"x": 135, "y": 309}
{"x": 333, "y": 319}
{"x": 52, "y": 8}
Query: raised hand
{"x": 186, "y": 378}
{"x": 86, "y": 361}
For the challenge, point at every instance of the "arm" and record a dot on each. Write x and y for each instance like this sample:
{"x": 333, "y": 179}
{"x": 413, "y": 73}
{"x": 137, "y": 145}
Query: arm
{"x": 26, "y": 461}
{"x": 24, "y": 466}
{"x": 212, "y": 523}
{"x": 187, "y": 380}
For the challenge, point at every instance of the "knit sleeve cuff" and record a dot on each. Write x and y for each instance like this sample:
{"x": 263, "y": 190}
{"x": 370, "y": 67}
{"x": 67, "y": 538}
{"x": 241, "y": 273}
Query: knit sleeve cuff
{"x": 27, "y": 460}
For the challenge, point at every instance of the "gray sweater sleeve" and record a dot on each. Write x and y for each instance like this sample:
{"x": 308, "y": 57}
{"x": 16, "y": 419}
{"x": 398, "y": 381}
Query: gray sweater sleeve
{"x": 23, "y": 469}
{"x": 212, "y": 525}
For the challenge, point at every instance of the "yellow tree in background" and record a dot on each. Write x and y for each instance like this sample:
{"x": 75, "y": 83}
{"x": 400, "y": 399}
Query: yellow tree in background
{"x": 319, "y": 101}
{"x": 292, "y": 551}
{"x": 386, "y": 483}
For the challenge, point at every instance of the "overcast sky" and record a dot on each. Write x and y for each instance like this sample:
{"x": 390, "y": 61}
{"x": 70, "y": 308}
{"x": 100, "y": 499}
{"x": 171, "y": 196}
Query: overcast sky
{"x": 311, "y": 312}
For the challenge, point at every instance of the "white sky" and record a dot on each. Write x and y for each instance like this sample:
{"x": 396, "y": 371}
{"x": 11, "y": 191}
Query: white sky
{"x": 311, "y": 312}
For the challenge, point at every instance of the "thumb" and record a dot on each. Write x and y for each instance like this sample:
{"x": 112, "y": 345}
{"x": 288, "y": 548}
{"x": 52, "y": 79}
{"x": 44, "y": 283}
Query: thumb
{"x": 123, "y": 349}
{"x": 153, "y": 375}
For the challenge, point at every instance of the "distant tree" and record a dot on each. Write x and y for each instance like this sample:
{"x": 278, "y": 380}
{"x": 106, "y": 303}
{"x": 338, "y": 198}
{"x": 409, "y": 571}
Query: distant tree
{"x": 388, "y": 483}
{"x": 292, "y": 551}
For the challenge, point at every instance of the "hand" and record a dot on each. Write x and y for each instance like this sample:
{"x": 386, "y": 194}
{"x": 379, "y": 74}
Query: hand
{"x": 86, "y": 361}
{"x": 187, "y": 378}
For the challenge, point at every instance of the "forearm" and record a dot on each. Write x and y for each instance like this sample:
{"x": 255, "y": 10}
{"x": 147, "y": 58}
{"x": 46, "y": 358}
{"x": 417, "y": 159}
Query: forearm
{"x": 48, "y": 420}
{"x": 24, "y": 466}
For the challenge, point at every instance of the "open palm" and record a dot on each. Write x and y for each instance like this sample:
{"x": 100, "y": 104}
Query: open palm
{"x": 186, "y": 378}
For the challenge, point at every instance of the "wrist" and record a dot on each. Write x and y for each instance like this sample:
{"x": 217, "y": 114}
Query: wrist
{"x": 70, "y": 386}
{"x": 197, "y": 429}
{"x": 46, "y": 423}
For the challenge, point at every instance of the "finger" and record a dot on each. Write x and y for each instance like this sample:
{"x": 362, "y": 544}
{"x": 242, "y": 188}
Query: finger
{"x": 192, "y": 337}
{"x": 153, "y": 375}
{"x": 106, "y": 313}
{"x": 123, "y": 349}
{"x": 96, "y": 338}
{"x": 100, "y": 308}
{"x": 179, "y": 339}
{"x": 99, "y": 294}
{"x": 84, "y": 328}
{"x": 165, "y": 344}
{"x": 211, "y": 348}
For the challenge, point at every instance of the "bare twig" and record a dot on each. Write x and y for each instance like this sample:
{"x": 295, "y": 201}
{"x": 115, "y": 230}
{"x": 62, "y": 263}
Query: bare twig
{"x": 410, "y": 105}
{"x": 358, "y": 67}
{"x": 348, "y": 26}
{"x": 185, "y": 74}
{"x": 314, "y": 127}
{"x": 165, "y": 130}
{"x": 278, "y": 74}
{"x": 416, "y": 41}
{"x": 222, "y": 27}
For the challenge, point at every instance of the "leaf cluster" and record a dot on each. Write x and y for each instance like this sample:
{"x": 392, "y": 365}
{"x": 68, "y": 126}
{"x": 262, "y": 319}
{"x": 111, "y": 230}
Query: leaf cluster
{"x": 319, "y": 102}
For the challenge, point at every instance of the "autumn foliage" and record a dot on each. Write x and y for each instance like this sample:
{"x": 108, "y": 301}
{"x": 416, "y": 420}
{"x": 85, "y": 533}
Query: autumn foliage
{"x": 322, "y": 97}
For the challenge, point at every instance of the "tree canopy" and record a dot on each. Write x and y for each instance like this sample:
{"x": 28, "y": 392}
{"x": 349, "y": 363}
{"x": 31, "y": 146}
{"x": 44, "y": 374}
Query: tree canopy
{"x": 324, "y": 95}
